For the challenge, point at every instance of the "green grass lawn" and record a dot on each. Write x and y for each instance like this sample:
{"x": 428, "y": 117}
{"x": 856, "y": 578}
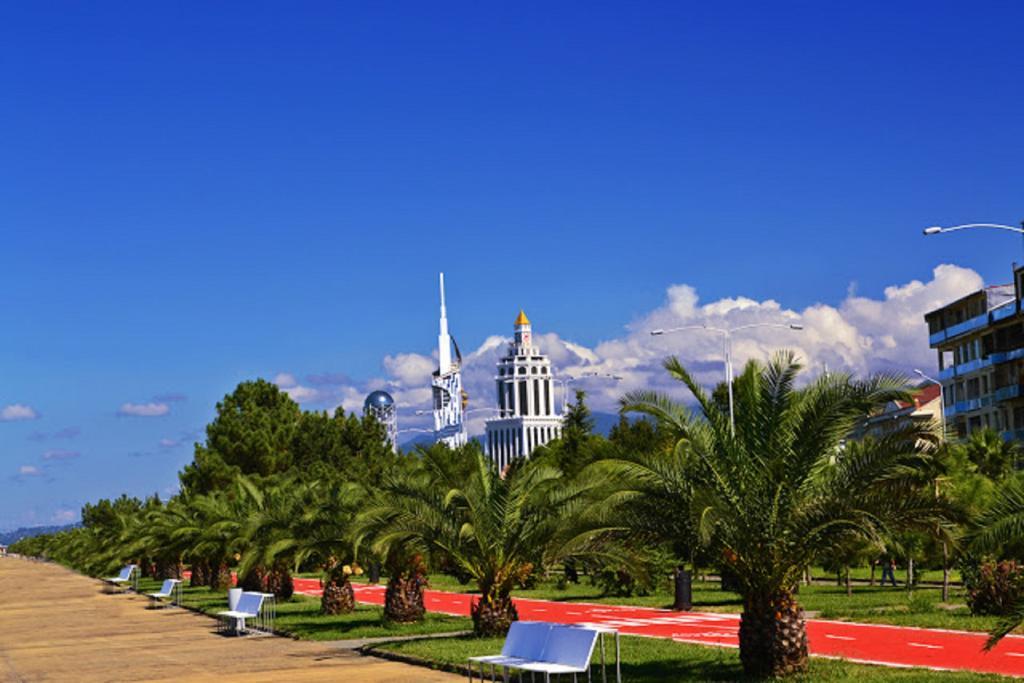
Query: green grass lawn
{"x": 300, "y": 617}
{"x": 873, "y": 604}
{"x": 648, "y": 660}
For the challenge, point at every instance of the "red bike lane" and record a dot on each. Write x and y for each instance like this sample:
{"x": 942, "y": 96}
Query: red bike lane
{"x": 868, "y": 643}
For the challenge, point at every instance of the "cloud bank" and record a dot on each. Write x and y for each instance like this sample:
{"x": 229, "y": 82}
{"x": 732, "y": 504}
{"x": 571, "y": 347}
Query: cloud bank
{"x": 153, "y": 409}
{"x": 860, "y": 335}
{"x": 16, "y": 412}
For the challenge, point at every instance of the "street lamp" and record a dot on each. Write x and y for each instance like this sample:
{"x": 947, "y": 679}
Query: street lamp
{"x": 569, "y": 379}
{"x": 727, "y": 333}
{"x": 942, "y": 400}
{"x": 935, "y": 229}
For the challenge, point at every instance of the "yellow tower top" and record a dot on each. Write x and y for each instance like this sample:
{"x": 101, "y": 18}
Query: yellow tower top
{"x": 522, "y": 319}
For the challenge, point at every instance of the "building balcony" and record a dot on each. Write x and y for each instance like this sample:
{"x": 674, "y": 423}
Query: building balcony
{"x": 1005, "y": 356}
{"x": 966, "y": 326}
{"x": 1006, "y": 393}
{"x": 979, "y": 364}
{"x": 1007, "y": 310}
{"x": 968, "y": 367}
{"x": 1013, "y": 435}
{"x": 998, "y": 396}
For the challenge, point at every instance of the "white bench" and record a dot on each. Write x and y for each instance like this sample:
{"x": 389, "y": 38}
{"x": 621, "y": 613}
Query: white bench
{"x": 524, "y": 643}
{"x": 171, "y": 589}
{"x": 249, "y": 606}
{"x": 543, "y": 648}
{"x": 128, "y": 573}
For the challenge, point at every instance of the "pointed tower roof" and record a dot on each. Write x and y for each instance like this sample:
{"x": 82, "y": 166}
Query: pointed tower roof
{"x": 521, "y": 319}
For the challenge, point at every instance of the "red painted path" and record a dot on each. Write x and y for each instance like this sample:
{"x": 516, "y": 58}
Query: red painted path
{"x": 868, "y": 643}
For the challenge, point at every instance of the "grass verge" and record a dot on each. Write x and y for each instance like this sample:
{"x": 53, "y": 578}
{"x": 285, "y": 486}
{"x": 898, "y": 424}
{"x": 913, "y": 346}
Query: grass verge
{"x": 300, "y": 617}
{"x": 649, "y": 660}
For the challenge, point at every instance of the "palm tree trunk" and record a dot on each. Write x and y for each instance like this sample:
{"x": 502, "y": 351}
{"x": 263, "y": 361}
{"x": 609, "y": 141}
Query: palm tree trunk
{"x": 338, "y": 597}
{"x": 200, "y": 574}
{"x": 945, "y": 572}
{"x": 279, "y": 581}
{"x": 773, "y": 635}
{"x": 221, "y": 577}
{"x": 254, "y": 580}
{"x": 403, "y": 598}
{"x": 492, "y": 614}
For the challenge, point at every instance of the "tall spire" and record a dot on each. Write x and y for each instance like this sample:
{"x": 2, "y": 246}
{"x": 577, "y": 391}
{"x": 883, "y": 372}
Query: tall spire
{"x": 444, "y": 346}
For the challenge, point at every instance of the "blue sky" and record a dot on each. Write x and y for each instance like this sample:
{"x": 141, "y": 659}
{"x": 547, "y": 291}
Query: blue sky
{"x": 195, "y": 194}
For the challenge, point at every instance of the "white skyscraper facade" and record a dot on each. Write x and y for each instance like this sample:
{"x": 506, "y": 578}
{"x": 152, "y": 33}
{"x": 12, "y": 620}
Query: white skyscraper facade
{"x": 449, "y": 398}
{"x": 526, "y": 400}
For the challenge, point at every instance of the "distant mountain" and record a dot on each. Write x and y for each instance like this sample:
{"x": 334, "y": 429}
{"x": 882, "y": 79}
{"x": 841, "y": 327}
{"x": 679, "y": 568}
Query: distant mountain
{"x": 603, "y": 422}
{"x": 8, "y": 537}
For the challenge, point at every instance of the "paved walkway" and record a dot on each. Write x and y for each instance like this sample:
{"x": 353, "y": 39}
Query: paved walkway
{"x": 868, "y": 643}
{"x": 56, "y": 625}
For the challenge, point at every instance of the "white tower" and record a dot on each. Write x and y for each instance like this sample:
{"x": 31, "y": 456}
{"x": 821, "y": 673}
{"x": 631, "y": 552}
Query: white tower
{"x": 449, "y": 398}
{"x": 526, "y": 400}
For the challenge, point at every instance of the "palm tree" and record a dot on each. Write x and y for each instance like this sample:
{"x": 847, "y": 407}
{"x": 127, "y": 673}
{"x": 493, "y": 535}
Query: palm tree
{"x": 496, "y": 529}
{"x": 994, "y": 456}
{"x": 214, "y": 535}
{"x": 787, "y": 485}
{"x": 657, "y": 497}
{"x": 294, "y": 522}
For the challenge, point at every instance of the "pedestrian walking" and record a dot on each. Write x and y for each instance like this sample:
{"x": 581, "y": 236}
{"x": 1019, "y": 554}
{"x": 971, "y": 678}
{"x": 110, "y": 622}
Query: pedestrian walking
{"x": 889, "y": 571}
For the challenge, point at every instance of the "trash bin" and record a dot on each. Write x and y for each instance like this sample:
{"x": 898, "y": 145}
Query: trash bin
{"x": 683, "y": 590}
{"x": 234, "y": 595}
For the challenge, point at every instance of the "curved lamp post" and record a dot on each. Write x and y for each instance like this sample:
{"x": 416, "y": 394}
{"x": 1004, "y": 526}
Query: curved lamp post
{"x": 938, "y": 230}
{"x": 727, "y": 333}
{"x": 935, "y": 229}
{"x": 569, "y": 379}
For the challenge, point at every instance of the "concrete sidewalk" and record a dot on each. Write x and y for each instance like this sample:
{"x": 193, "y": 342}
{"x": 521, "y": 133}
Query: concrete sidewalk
{"x": 56, "y": 625}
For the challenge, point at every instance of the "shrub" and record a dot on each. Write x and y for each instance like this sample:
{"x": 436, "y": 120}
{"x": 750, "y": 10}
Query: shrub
{"x": 622, "y": 583}
{"x": 994, "y": 587}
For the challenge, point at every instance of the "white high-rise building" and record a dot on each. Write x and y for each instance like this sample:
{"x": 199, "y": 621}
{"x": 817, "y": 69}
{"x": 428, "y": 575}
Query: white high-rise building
{"x": 449, "y": 398}
{"x": 526, "y": 400}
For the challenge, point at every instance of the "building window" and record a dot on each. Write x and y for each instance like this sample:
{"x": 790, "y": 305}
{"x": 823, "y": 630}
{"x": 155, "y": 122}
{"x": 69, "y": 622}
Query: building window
{"x": 547, "y": 397}
{"x": 536, "y": 396}
{"x": 544, "y": 370}
{"x": 522, "y": 397}
{"x": 533, "y": 370}
{"x": 522, "y": 371}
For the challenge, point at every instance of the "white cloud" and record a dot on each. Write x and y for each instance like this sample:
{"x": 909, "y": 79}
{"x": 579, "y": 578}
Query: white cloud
{"x": 860, "y": 334}
{"x": 29, "y": 471}
{"x": 285, "y": 379}
{"x": 60, "y": 454}
{"x": 410, "y": 368}
{"x": 17, "y": 411}
{"x": 64, "y": 516}
{"x": 143, "y": 409}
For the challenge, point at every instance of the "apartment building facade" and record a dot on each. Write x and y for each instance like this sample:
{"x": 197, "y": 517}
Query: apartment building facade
{"x": 979, "y": 341}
